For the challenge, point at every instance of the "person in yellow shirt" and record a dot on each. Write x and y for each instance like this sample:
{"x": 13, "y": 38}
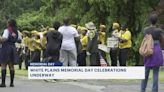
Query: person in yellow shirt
{"x": 42, "y": 36}
{"x": 102, "y": 34}
{"x": 84, "y": 41}
{"x": 34, "y": 42}
{"x": 124, "y": 45}
{"x": 102, "y": 39}
{"x": 30, "y": 45}
{"x": 25, "y": 51}
{"x": 43, "y": 41}
{"x": 35, "y": 47}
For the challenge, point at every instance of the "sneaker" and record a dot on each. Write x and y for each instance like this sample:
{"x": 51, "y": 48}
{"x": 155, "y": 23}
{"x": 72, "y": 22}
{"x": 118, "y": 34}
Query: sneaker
{"x": 11, "y": 85}
{"x": 3, "y": 85}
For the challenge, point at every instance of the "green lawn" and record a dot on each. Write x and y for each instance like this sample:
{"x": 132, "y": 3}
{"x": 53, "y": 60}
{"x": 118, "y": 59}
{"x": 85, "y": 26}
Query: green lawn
{"x": 18, "y": 72}
{"x": 24, "y": 73}
{"x": 161, "y": 76}
{"x": 21, "y": 72}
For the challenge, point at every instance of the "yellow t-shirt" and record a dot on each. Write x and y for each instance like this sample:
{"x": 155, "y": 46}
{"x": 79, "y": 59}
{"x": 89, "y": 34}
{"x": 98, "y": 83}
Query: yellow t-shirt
{"x": 30, "y": 45}
{"x": 34, "y": 45}
{"x": 84, "y": 41}
{"x": 26, "y": 41}
{"x": 102, "y": 36}
{"x": 43, "y": 42}
{"x": 125, "y": 35}
{"x": 37, "y": 44}
{"x": 43, "y": 39}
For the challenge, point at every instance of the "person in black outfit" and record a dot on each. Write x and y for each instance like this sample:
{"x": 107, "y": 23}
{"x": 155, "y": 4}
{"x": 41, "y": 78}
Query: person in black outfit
{"x": 54, "y": 41}
{"x": 92, "y": 46}
{"x": 8, "y": 53}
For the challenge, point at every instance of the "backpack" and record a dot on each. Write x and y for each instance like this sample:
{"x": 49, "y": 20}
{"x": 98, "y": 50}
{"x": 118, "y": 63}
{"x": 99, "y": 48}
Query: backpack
{"x": 147, "y": 45}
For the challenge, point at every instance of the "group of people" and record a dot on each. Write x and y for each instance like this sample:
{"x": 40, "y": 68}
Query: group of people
{"x": 71, "y": 44}
{"x": 122, "y": 45}
{"x": 82, "y": 41}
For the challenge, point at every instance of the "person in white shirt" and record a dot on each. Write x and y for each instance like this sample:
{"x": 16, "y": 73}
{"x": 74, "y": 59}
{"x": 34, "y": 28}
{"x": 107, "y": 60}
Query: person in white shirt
{"x": 114, "y": 50}
{"x": 68, "y": 52}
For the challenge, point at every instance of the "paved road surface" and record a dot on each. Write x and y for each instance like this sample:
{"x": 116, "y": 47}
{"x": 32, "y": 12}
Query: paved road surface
{"x": 25, "y": 85}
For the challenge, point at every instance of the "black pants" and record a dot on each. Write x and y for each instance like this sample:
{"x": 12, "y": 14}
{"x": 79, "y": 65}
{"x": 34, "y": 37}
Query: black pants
{"x": 27, "y": 58}
{"x": 36, "y": 56}
{"x": 20, "y": 61}
{"x": 95, "y": 59}
{"x": 24, "y": 57}
{"x": 113, "y": 56}
{"x": 44, "y": 54}
{"x": 123, "y": 55}
{"x": 81, "y": 58}
{"x": 54, "y": 56}
{"x": 20, "y": 54}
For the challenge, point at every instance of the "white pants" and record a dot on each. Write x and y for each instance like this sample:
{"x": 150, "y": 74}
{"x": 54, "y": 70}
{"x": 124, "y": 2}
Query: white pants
{"x": 68, "y": 57}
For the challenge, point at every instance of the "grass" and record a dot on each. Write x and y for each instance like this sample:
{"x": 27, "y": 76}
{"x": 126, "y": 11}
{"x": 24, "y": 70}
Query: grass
{"x": 24, "y": 73}
{"x": 21, "y": 72}
{"x": 18, "y": 72}
{"x": 161, "y": 76}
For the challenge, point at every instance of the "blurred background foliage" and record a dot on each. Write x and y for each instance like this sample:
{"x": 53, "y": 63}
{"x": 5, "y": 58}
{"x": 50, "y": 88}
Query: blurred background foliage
{"x": 31, "y": 14}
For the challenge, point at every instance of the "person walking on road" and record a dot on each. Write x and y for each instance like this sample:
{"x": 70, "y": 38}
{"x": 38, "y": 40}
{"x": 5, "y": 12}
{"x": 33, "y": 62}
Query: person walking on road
{"x": 156, "y": 59}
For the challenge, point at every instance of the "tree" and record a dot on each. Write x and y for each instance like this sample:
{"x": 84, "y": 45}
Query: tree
{"x": 31, "y": 14}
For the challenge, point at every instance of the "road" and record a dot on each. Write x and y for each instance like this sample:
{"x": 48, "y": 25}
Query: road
{"x": 25, "y": 85}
